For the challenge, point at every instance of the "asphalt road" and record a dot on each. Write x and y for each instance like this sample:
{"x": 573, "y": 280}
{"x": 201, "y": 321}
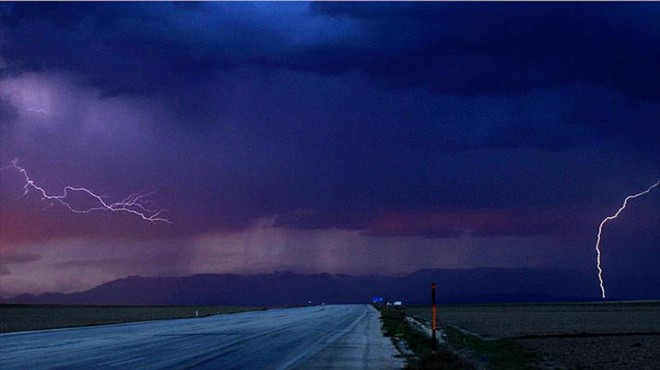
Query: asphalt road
{"x": 319, "y": 337}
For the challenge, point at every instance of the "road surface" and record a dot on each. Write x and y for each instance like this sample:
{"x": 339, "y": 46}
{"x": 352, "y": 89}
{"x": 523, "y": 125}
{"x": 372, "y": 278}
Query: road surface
{"x": 319, "y": 337}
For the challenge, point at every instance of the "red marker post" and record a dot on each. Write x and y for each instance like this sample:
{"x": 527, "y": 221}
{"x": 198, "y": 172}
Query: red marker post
{"x": 433, "y": 317}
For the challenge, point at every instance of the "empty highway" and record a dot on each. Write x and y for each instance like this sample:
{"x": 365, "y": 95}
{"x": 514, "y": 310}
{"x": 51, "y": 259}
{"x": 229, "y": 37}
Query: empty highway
{"x": 319, "y": 337}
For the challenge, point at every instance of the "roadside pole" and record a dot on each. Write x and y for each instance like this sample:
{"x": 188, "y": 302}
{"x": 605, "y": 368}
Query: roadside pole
{"x": 433, "y": 318}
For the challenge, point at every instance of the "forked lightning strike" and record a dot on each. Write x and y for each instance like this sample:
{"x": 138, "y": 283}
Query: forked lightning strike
{"x": 600, "y": 230}
{"x": 134, "y": 203}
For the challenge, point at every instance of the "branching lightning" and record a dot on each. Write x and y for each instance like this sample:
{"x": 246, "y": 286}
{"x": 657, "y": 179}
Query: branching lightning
{"x": 600, "y": 231}
{"x": 135, "y": 203}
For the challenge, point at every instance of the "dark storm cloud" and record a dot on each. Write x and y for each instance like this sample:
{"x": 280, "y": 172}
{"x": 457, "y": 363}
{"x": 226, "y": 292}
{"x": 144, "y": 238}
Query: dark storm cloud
{"x": 17, "y": 257}
{"x": 450, "y": 48}
{"x": 162, "y": 258}
{"x": 8, "y": 113}
{"x": 324, "y": 115}
{"x": 479, "y": 222}
{"x": 138, "y": 48}
{"x": 326, "y": 137}
{"x": 11, "y": 257}
{"x": 499, "y": 48}
{"x": 118, "y": 47}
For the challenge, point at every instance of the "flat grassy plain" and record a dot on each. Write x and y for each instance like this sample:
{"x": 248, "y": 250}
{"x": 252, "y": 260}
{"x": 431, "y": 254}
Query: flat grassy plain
{"x": 17, "y": 317}
{"x": 608, "y": 335}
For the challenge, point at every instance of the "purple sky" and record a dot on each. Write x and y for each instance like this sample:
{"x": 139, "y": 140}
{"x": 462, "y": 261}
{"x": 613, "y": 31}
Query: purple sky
{"x": 350, "y": 138}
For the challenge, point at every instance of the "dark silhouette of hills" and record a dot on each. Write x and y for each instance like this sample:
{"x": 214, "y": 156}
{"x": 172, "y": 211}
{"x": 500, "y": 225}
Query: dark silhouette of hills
{"x": 480, "y": 285}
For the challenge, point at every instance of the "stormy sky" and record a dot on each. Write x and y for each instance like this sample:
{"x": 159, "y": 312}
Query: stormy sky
{"x": 353, "y": 138}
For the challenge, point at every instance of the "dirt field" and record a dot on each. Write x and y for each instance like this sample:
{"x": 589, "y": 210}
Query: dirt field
{"x": 610, "y": 335}
{"x": 36, "y": 317}
{"x": 604, "y": 352}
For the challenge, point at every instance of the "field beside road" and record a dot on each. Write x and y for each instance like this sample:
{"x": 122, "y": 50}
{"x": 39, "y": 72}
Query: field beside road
{"x": 608, "y": 335}
{"x": 36, "y": 317}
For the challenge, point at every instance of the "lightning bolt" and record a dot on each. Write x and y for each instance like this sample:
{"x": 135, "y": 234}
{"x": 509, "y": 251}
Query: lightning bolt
{"x": 42, "y": 111}
{"x": 135, "y": 204}
{"x": 600, "y": 231}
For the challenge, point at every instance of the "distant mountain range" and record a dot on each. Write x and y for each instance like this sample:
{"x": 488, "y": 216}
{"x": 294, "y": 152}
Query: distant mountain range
{"x": 480, "y": 285}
